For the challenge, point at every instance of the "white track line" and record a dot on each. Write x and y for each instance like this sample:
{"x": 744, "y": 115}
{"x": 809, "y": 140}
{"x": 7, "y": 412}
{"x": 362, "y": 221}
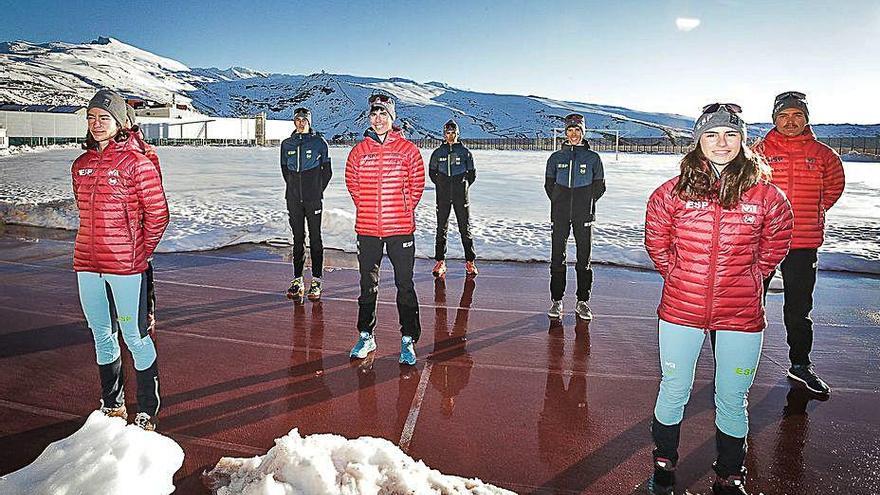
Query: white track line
{"x": 410, "y": 425}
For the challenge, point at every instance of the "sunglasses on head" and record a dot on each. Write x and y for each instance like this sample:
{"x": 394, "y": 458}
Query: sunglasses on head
{"x": 574, "y": 118}
{"x": 791, "y": 94}
{"x": 730, "y": 107}
{"x": 379, "y": 97}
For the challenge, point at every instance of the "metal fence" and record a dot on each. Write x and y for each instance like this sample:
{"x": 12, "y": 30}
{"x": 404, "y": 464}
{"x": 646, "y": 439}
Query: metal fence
{"x": 843, "y": 145}
{"x": 854, "y": 144}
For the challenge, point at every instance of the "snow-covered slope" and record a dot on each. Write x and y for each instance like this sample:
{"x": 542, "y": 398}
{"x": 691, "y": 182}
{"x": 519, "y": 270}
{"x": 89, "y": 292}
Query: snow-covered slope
{"x": 338, "y": 104}
{"x": 64, "y": 73}
{"x": 67, "y": 74}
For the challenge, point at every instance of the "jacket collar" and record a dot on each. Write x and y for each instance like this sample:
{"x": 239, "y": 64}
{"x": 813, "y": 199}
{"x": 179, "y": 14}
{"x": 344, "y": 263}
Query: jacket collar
{"x": 584, "y": 144}
{"x": 780, "y": 138}
{"x": 312, "y": 132}
{"x": 393, "y": 135}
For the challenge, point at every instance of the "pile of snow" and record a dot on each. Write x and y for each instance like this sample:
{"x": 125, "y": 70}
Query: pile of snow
{"x": 104, "y": 456}
{"x": 331, "y": 464}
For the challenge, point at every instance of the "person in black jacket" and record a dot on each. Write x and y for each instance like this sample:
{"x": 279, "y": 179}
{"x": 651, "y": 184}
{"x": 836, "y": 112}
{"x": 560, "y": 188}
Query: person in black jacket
{"x": 574, "y": 181}
{"x": 305, "y": 165}
{"x": 451, "y": 169}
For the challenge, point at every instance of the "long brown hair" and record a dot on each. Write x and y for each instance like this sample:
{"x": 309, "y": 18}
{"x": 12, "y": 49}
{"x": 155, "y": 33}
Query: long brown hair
{"x": 92, "y": 144}
{"x": 697, "y": 180}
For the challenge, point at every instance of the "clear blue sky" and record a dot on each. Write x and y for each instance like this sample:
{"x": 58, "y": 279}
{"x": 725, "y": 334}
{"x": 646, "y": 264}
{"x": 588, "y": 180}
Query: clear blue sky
{"x": 619, "y": 52}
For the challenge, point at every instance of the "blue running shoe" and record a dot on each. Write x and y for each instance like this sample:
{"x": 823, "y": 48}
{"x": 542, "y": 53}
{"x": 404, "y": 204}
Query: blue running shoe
{"x": 366, "y": 344}
{"x": 407, "y": 351}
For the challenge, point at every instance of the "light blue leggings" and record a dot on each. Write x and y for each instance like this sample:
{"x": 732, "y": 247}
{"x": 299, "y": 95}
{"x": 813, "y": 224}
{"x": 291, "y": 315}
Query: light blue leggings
{"x": 736, "y": 361}
{"x": 102, "y": 295}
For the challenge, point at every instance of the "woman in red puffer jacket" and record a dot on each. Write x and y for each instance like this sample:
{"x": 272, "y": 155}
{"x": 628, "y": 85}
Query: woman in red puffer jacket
{"x": 714, "y": 232}
{"x": 123, "y": 214}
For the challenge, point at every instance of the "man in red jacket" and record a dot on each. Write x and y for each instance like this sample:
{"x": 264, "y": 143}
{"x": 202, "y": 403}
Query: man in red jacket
{"x": 811, "y": 175}
{"x": 385, "y": 176}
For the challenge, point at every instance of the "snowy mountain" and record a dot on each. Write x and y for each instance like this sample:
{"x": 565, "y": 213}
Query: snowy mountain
{"x": 63, "y": 73}
{"x": 67, "y": 74}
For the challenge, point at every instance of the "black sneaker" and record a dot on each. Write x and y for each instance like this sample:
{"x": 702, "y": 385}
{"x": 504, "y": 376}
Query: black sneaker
{"x": 804, "y": 373}
{"x": 732, "y": 485}
{"x": 662, "y": 482}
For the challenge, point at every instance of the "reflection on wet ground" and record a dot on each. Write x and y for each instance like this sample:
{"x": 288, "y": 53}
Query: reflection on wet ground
{"x": 498, "y": 393}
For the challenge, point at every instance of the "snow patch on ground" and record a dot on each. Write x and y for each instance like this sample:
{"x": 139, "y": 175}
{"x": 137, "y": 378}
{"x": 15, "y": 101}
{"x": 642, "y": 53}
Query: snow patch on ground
{"x": 104, "y": 456}
{"x": 333, "y": 465}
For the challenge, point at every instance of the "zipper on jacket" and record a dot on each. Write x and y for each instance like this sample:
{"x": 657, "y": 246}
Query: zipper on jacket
{"x": 791, "y": 186}
{"x": 570, "y": 189}
{"x": 379, "y": 188}
{"x": 713, "y": 262}
{"x": 92, "y": 214}
{"x": 299, "y": 167}
{"x": 448, "y": 164}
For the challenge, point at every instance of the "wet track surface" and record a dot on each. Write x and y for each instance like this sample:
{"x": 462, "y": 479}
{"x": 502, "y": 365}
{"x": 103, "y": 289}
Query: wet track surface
{"x": 498, "y": 392}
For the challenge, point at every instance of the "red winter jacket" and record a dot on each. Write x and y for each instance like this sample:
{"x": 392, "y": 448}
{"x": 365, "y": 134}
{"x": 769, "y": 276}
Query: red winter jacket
{"x": 811, "y": 176}
{"x": 713, "y": 261}
{"x": 386, "y": 181}
{"x": 122, "y": 209}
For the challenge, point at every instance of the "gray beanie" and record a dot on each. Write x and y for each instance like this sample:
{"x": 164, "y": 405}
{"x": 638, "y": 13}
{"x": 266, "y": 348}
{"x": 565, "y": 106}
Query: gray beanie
{"x": 790, "y": 99}
{"x": 112, "y": 103}
{"x": 384, "y": 102}
{"x": 719, "y": 116}
{"x": 303, "y": 112}
{"x": 451, "y": 124}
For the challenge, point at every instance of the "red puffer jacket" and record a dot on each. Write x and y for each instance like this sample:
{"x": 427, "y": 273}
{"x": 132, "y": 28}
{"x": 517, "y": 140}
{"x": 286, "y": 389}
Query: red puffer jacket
{"x": 386, "y": 181}
{"x": 122, "y": 209}
{"x": 811, "y": 176}
{"x": 713, "y": 261}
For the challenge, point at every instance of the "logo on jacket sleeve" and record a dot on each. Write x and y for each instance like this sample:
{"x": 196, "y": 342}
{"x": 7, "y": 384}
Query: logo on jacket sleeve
{"x": 749, "y": 208}
{"x": 85, "y": 171}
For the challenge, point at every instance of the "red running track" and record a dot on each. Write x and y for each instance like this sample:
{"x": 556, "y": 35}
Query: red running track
{"x": 498, "y": 393}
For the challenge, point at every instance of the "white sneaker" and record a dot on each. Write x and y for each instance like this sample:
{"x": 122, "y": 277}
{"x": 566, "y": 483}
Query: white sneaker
{"x": 555, "y": 310}
{"x": 315, "y": 290}
{"x": 583, "y": 311}
{"x": 145, "y": 422}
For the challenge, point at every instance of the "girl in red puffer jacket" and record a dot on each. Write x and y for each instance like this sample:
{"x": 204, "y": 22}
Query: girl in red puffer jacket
{"x": 122, "y": 216}
{"x": 714, "y": 232}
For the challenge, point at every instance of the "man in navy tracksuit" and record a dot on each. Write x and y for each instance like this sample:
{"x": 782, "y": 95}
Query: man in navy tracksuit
{"x": 574, "y": 181}
{"x": 305, "y": 165}
{"x": 451, "y": 169}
